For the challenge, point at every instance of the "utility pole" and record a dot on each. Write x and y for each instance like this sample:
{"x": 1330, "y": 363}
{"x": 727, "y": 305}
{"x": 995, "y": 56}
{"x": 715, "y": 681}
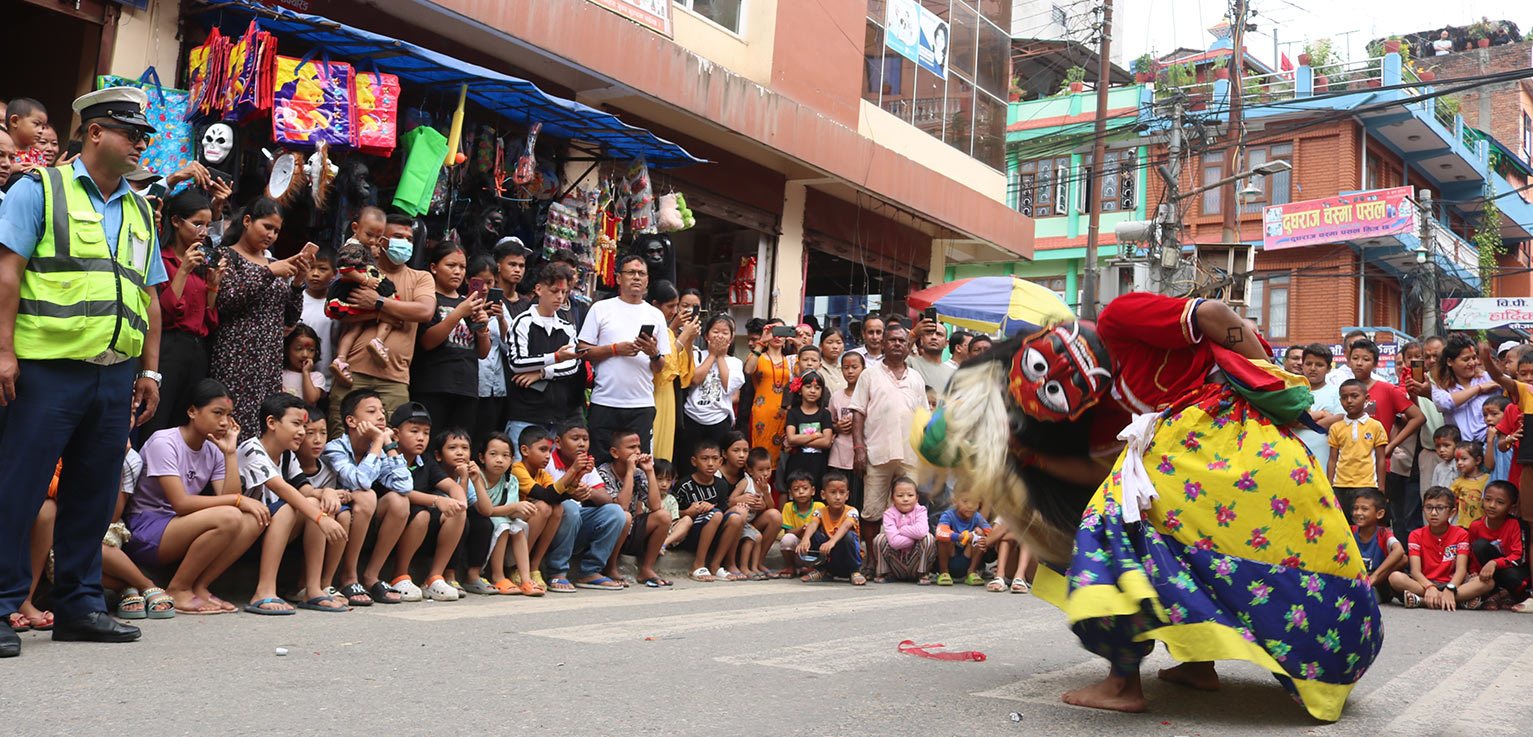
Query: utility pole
{"x": 1429, "y": 315}
{"x": 1098, "y": 165}
{"x": 1235, "y": 154}
{"x": 1171, "y": 220}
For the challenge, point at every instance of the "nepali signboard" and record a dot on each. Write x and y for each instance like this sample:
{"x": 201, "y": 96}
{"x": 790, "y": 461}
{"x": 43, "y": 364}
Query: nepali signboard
{"x": 653, "y": 14}
{"x": 1349, "y": 217}
{"x": 1488, "y": 313}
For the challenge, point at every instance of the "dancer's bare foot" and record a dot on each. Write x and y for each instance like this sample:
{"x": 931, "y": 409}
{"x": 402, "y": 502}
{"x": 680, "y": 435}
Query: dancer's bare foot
{"x": 1200, "y": 676}
{"x": 1114, "y": 693}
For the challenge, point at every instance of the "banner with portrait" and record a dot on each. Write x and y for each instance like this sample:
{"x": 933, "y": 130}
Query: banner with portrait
{"x": 917, "y": 34}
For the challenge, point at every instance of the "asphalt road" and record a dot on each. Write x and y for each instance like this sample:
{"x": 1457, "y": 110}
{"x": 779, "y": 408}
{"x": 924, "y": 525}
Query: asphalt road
{"x": 779, "y": 658}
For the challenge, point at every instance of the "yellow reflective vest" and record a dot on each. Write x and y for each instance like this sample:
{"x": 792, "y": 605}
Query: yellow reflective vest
{"x": 79, "y": 301}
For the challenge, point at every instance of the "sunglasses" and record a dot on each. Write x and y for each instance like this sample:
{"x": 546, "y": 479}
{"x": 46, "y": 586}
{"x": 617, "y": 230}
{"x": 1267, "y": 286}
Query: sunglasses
{"x": 134, "y": 135}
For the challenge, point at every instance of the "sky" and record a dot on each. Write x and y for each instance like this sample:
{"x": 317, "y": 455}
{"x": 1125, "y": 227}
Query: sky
{"x": 1158, "y": 26}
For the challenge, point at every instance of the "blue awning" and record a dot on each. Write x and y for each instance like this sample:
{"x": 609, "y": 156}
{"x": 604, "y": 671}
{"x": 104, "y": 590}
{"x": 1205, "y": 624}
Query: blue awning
{"x": 510, "y": 97}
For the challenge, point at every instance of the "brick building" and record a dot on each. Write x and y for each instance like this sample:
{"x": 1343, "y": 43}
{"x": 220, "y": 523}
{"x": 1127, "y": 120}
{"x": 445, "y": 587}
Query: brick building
{"x": 1503, "y": 109}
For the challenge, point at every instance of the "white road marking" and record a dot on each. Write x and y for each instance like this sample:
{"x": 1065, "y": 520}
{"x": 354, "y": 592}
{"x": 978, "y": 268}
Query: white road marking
{"x": 1448, "y": 701}
{"x": 586, "y": 600}
{"x": 846, "y": 654}
{"x": 666, "y": 626}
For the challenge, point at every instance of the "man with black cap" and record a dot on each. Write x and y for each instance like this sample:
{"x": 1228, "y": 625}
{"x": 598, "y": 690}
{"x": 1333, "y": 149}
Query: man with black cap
{"x": 79, "y": 349}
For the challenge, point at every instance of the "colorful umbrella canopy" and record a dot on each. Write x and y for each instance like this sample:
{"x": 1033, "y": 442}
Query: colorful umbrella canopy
{"x": 1005, "y": 304}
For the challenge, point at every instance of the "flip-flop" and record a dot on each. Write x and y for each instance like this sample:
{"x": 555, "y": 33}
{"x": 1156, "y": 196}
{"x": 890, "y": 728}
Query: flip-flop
{"x": 600, "y": 583}
{"x": 560, "y": 585}
{"x": 316, "y": 604}
{"x": 19, "y": 622}
{"x": 202, "y": 608}
{"x": 226, "y": 606}
{"x": 47, "y": 622}
{"x": 254, "y": 607}
{"x": 656, "y": 582}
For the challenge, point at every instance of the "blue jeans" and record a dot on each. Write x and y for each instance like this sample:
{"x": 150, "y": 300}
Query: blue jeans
{"x": 590, "y": 531}
{"x": 78, "y": 412}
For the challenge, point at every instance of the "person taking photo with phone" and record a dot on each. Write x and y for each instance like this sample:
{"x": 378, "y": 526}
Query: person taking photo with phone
{"x": 547, "y": 382}
{"x": 770, "y": 372}
{"x": 625, "y": 341}
{"x": 682, "y": 326}
{"x": 188, "y": 314}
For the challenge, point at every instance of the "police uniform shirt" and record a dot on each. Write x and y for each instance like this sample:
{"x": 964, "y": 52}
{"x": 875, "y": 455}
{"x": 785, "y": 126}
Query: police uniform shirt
{"x": 21, "y": 218}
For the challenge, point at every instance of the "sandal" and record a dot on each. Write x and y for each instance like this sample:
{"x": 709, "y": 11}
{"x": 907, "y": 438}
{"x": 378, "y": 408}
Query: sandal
{"x": 382, "y": 593}
{"x": 132, "y": 605}
{"x": 600, "y": 583}
{"x": 786, "y": 573}
{"x": 761, "y": 576}
{"x": 813, "y": 577}
{"x": 529, "y": 588}
{"x": 924, "y": 580}
{"x": 723, "y": 574}
{"x": 356, "y": 595}
{"x": 259, "y": 607}
{"x": 944, "y": 579}
{"x": 858, "y": 579}
{"x": 504, "y": 587}
{"x": 19, "y": 622}
{"x": 1523, "y": 607}
{"x": 483, "y": 587}
{"x": 1019, "y": 586}
{"x": 561, "y": 585}
{"x": 201, "y": 608}
{"x": 880, "y": 579}
{"x": 702, "y": 575}
{"x": 158, "y": 604}
{"x": 317, "y": 604}
{"x": 1412, "y": 601}
{"x": 656, "y": 582}
{"x": 997, "y": 585}
{"x": 974, "y": 579}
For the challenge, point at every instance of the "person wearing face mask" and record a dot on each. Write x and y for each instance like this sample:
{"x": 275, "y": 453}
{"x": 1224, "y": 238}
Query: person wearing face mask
{"x": 413, "y": 303}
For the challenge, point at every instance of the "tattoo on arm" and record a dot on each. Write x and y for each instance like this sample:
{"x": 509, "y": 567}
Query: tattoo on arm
{"x": 1234, "y": 336}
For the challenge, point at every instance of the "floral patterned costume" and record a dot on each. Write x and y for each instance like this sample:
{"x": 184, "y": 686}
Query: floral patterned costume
{"x": 1242, "y": 554}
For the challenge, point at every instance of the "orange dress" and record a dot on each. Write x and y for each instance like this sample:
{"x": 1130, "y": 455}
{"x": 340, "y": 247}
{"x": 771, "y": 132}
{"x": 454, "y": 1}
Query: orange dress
{"x": 769, "y": 411}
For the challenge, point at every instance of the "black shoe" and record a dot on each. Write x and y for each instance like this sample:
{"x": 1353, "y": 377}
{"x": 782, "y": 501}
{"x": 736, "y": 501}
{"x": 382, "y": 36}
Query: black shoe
{"x": 10, "y": 642}
{"x": 94, "y": 627}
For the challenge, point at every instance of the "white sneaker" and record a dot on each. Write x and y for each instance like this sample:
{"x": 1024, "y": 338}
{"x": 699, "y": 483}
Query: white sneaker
{"x": 407, "y": 589}
{"x": 441, "y": 590}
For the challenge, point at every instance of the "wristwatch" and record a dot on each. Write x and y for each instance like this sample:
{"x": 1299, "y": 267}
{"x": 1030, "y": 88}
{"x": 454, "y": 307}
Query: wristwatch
{"x": 1451, "y": 587}
{"x": 378, "y": 306}
{"x": 151, "y": 375}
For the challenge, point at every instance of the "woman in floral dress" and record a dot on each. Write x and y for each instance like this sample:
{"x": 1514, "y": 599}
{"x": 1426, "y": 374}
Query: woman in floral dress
{"x": 1213, "y": 532}
{"x": 255, "y": 303}
{"x": 769, "y": 372}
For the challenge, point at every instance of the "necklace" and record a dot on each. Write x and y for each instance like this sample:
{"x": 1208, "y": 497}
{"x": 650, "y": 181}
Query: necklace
{"x": 779, "y": 381}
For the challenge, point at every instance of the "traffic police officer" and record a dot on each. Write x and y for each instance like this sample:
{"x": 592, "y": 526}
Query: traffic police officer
{"x": 79, "y": 345}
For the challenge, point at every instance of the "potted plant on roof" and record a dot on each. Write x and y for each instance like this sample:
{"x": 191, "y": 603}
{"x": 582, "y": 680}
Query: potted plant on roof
{"x": 1075, "y": 80}
{"x": 1016, "y": 93}
{"x": 1221, "y": 68}
{"x": 1481, "y": 31}
{"x": 1144, "y": 69}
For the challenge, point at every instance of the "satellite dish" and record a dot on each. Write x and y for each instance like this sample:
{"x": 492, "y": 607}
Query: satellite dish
{"x": 286, "y": 177}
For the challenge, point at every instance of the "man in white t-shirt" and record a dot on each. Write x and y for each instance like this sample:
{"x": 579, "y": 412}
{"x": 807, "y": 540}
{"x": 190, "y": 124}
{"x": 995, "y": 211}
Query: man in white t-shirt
{"x": 872, "y": 338}
{"x": 1443, "y": 45}
{"x": 626, "y": 342}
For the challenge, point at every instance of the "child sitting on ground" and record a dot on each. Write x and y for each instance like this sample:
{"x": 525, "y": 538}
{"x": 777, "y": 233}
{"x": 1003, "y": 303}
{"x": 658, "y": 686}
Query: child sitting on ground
{"x": 536, "y": 483}
{"x": 796, "y": 513}
{"x": 665, "y": 477}
{"x": 356, "y": 512}
{"x": 1357, "y": 446}
{"x": 903, "y": 547}
{"x": 437, "y": 502}
{"x": 512, "y": 521}
{"x": 1012, "y": 560}
{"x": 140, "y": 598}
{"x": 961, "y": 542}
{"x": 1445, "y": 440}
{"x": 268, "y": 466}
{"x": 355, "y": 266}
{"x": 752, "y": 498}
{"x": 1496, "y": 549}
{"x": 453, "y": 453}
{"x": 367, "y": 461}
{"x": 630, "y": 479}
{"x": 1382, "y": 552}
{"x": 715, "y": 531}
{"x": 1469, "y": 487}
{"x": 833, "y": 534}
{"x": 1439, "y": 556}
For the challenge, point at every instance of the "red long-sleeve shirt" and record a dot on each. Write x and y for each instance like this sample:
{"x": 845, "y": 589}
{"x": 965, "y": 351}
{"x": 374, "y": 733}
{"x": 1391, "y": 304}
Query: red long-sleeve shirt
{"x": 1507, "y": 538}
{"x": 191, "y": 311}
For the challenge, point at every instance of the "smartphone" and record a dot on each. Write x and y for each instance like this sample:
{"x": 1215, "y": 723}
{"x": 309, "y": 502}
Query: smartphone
{"x": 73, "y": 149}
{"x": 476, "y": 285}
{"x": 783, "y": 331}
{"x": 691, "y": 311}
{"x": 929, "y": 313}
{"x": 647, "y": 331}
{"x": 310, "y": 249}
{"x": 1418, "y": 371}
{"x": 497, "y": 294}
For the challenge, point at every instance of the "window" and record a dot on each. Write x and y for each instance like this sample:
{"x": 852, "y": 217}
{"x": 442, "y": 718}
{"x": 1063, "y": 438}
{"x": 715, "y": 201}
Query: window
{"x": 1213, "y": 171}
{"x": 1119, "y": 185}
{"x": 1267, "y": 305}
{"x": 1043, "y": 187}
{"x": 1055, "y": 284}
{"x": 1275, "y": 189}
{"x": 1059, "y": 17}
{"x": 723, "y": 12}
{"x": 1527, "y": 138}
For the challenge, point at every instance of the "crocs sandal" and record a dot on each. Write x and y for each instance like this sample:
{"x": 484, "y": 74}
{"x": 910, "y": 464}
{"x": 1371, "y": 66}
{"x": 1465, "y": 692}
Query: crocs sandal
{"x": 944, "y": 579}
{"x": 438, "y": 589}
{"x": 529, "y": 588}
{"x": 504, "y": 587}
{"x": 407, "y": 589}
{"x": 538, "y": 581}
{"x": 158, "y": 604}
{"x": 483, "y": 588}
{"x": 974, "y": 579}
{"x": 130, "y": 598}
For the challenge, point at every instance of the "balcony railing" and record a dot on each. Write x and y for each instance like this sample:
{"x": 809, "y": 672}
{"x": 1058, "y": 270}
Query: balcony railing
{"x": 919, "y": 111}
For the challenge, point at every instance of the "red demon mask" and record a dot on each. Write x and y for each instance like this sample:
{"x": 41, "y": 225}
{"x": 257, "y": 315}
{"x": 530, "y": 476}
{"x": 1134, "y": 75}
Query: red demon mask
{"x": 1060, "y": 372}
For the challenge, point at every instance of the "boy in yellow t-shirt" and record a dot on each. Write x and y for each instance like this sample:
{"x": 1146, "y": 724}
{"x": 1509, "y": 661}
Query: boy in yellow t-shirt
{"x": 795, "y": 517}
{"x": 1357, "y": 446}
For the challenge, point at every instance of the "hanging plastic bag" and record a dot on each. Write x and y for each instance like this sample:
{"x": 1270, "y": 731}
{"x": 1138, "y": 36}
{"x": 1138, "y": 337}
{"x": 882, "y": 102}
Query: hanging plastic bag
{"x": 641, "y": 198}
{"x": 171, "y": 147}
{"x": 376, "y": 109}
{"x": 525, "y": 165}
{"x": 248, "y": 94}
{"x": 312, "y": 102}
